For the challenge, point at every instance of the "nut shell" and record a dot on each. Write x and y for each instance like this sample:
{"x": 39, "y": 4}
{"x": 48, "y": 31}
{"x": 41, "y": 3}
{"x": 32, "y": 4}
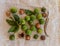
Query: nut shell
{"x": 42, "y": 37}
{"x": 27, "y": 37}
{"x": 44, "y": 15}
{"x": 8, "y": 13}
{"x": 21, "y": 11}
{"x": 21, "y": 35}
{"x": 38, "y": 25}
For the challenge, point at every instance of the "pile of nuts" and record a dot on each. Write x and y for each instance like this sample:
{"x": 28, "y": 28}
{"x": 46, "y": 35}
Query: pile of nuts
{"x": 30, "y": 17}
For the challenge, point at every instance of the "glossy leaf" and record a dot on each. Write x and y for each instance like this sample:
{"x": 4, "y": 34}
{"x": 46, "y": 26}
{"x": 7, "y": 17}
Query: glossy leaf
{"x": 13, "y": 29}
{"x": 28, "y": 12}
{"x": 11, "y": 22}
{"x": 17, "y": 18}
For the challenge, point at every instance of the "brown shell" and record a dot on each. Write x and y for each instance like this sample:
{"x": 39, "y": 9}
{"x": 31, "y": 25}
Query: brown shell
{"x": 21, "y": 35}
{"x": 27, "y": 37}
{"x": 37, "y": 25}
{"x": 42, "y": 37}
{"x": 44, "y": 15}
{"x": 21, "y": 11}
{"x": 8, "y": 13}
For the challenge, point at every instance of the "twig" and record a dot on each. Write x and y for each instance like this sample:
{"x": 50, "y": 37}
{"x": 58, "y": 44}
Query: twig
{"x": 45, "y": 25}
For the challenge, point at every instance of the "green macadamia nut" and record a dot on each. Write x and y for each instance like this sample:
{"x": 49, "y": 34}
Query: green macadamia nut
{"x": 27, "y": 18}
{"x": 33, "y": 17}
{"x": 39, "y": 31}
{"x": 12, "y": 37}
{"x": 28, "y": 32}
{"x": 41, "y": 21}
{"x": 36, "y": 11}
{"x": 24, "y": 27}
{"x": 33, "y": 28}
{"x": 39, "y": 16}
{"x": 13, "y": 9}
{"x": 22, "y": 21}
{"x": 35, "y": 36}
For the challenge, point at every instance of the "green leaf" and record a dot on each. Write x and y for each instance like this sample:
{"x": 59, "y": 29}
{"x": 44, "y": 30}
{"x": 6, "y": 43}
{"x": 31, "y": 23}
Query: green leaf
{"x": 28, "y": 12}
{"x": 13, "y": 29}
{"x": 17, "y": 18}
{"x": 11, "y": 22}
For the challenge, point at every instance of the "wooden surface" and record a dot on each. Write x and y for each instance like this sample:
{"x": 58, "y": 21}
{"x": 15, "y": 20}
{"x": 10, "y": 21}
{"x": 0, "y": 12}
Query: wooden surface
{"x": 53, "y": 27}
